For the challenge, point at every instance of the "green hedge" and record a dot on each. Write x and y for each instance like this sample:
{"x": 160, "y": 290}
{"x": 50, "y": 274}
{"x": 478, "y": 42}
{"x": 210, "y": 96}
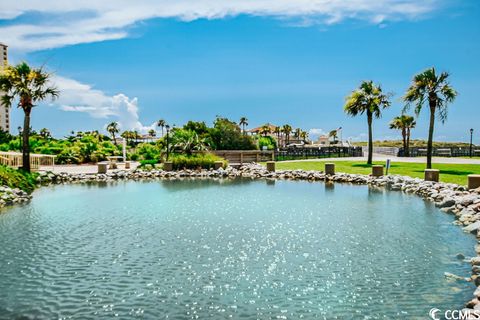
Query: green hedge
{"x": 17, "y": 179}
{"x": 195, "y": 161}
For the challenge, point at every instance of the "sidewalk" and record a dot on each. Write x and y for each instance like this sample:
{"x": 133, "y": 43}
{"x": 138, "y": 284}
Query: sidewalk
{"x": 383, "y": 157}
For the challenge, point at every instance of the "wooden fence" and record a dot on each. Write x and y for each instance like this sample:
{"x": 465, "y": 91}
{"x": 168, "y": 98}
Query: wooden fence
{"x": 14, "y": 159}
{"x": 244, "y": 156}
{"x": 320, "y": 152}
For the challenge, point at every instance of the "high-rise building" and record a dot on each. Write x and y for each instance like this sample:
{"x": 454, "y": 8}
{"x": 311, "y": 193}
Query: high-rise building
{"x": 4, "y": 110}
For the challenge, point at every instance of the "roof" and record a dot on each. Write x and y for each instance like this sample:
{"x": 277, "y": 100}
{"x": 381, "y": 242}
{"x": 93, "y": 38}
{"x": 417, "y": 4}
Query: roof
{"x": 257, "y": 129}
{"x": 3, "y": 44}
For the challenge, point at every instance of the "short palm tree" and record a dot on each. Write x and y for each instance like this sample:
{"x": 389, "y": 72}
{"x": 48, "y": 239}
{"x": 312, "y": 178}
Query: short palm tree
{"x": 287, "y": 129}
{"x": 404, "y": 123}
{"x": 161, "y": 123}
{"x": 278, "y": 131}
{"x": 112, "y": 128}
{"x": 304, "y": 136}
{"x": 30, "y": 86}
{"x": 297, "y": 133}
{"x": 243, "y": 123}
{"x": 435, "y": 89}
{"x": 369, "y": 99}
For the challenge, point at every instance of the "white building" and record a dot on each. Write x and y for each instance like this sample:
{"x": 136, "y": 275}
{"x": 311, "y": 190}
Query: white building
{"x": 4, "y": 111}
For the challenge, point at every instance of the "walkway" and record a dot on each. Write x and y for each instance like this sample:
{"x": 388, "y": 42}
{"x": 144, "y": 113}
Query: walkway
{"x": 83, "y": 168}
{"x": 383, "y": 157}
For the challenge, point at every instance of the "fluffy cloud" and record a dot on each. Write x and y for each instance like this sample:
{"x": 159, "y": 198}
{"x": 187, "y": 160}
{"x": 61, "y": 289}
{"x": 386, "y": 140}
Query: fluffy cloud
{"x": 60, "y": 23}
{"x": 314, "y": 133}
{"x": 79, "y": 97}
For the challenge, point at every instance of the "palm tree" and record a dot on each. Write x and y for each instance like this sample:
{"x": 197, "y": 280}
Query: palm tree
{"x": 333, "y": 134}
{"x": 112, "y": 128}
{"x": 370, "y": 99}
{"x": 243, "y": 123}
{"x": 161, "y": 123}
{"x": 304, "y": 135}
{"x": 287, "y": 129}
{"x": 30, "y": 86}
{"x": 265, "y": 130}
{"x": 152, "y": 133}
{"x": 278, "y": 131}
{"x": 297, "y": 133}
{"x": 428, "y": 86}
{"x": 404, "y": 123}
{"x": 45, "y": 133}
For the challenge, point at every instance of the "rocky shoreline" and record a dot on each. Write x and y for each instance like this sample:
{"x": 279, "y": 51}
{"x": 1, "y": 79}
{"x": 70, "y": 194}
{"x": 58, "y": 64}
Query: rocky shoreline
{"x": 450, "y": 198}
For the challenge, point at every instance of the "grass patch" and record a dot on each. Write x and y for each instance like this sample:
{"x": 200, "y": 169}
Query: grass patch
{"x": 14, "y": 178}
{"x": 452, "y": 173}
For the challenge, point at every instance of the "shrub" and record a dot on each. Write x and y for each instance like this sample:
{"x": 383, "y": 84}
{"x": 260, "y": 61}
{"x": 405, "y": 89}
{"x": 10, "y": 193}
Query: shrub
{"x": 268, "y": 142}
{"x": 195, "y": 161}
{"x": 17, "y": 179}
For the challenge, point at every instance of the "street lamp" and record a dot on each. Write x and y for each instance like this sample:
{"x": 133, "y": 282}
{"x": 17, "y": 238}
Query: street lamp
{"x": 168, "y": 130}
{"x": 471, "y": 141}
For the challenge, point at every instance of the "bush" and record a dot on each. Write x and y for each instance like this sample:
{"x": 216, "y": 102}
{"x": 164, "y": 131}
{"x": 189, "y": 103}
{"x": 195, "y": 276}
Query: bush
{"x": 268, "y": 142}
{"x": 17, "y": 179}
{"x": 195, "y": 161}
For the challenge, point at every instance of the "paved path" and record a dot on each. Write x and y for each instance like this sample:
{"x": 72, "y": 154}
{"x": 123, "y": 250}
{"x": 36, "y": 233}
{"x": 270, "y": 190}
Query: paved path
{"x": 84, "y": 168}
{"x": 383, "y": 157}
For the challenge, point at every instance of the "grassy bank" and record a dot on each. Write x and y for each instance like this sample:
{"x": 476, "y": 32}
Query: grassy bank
{"x": 17, "y": 179}
{"x": 453, "y": 173}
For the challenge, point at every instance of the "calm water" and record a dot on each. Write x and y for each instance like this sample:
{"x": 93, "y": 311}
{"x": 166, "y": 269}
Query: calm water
{"x": 244, "y": 249}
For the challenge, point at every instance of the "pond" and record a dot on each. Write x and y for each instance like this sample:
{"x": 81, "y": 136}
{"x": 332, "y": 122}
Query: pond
{"x": 229, "y": 249}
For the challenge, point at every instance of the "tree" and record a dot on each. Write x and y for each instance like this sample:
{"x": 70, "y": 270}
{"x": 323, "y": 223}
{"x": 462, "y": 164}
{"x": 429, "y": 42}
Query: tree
{"x": 152, "y": 133}
{"x": 161, "y": 123}
{"x": 30, "y": 86}
{"x": 187, "y": 141}
{"x": 45, "y": 133}
{"x": 428, "y": 86}
{"x": 369, "y": 99}
{"x": 333, "y": 134}
{"x": 112, "y": 128}
{"x": 265, "y": 130}
{"x": 304, "y": 135}
{"x": 243, "y": 123}
{"x": 297, "y": 133}
{"x": 287, "y": 129}
{"x": 278, "y": 131}
{"x": 404, "y": 123}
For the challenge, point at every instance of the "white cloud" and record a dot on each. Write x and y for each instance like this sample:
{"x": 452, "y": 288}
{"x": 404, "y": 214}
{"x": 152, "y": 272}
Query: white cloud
{"x": 79, "y": 97}
{"x": 74, "y": 22}
{"x": 314, "y": 133}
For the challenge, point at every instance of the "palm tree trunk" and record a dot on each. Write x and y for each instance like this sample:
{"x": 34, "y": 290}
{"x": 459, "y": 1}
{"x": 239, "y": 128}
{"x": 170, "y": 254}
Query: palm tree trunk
{"x": 26, "y": 144}
{"x": 404, "y": 137}
{"x": 407, "y": 149}
{"x": 430, "y": 135}
{"x": 370, "y": 138}
{"x": 114, "y": 140}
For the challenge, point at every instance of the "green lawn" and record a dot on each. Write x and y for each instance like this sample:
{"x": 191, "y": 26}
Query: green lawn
{"x": 454, "y": 173}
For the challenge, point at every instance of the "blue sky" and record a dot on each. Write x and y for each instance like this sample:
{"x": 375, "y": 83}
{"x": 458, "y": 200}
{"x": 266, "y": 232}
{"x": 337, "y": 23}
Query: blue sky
{"x": 290, "y": 63}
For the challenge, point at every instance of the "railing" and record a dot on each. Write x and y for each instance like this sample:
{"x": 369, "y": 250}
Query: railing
{"x": 441, "y": 152}
{"x": 244, "y": 156}
{"x": 15, "y": 160}
{"x": 320, "y": 152}
{"x": 389, "y": 151}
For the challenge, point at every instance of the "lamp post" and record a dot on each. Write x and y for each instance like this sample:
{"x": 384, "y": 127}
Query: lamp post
{"x": 471, "y": 141}
{"x": 167, "y": 127}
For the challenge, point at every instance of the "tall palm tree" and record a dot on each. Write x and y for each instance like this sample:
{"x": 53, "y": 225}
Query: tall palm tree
{"x": 112, "y": 128}
{"x": 243, "y": 123}
{"x": 30, "y": 86}
{"x": 161, "y": 123}
{"x": 278, "y": 131}
{"x": 304, "y": 136}
{"x": 287, "y": 129}
{"x": 369, "y": 99}
{"x": 333, "y": 134}
{"x": 297, "y": 133}
{"x": 404, "y": 123}
{"x": 265, "y": 130}
{"x": 152, "y": 133}
{"x": 434, "y": 88}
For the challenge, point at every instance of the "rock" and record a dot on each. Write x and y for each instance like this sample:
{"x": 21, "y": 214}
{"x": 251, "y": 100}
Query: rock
{"x": 448, "y": 202}
{"x": 460, "y": 256}
{"x": 472, "y": 227}
{"x": 452, "y": 276}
